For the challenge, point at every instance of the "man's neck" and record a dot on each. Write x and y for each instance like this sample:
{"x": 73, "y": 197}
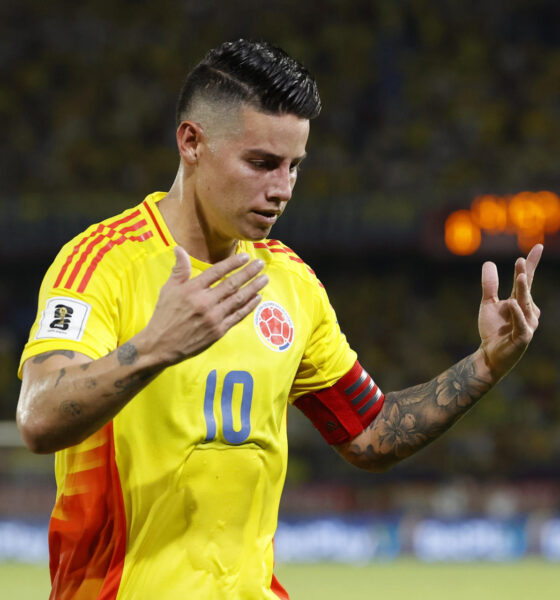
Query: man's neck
{"x": 188, "y": 228}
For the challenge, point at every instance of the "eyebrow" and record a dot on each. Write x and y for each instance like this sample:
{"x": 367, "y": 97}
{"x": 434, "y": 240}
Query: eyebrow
{"x": 271, "y": 156}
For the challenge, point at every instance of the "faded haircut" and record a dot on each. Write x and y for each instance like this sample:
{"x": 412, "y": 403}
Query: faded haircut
{"x": 258, "y": 74}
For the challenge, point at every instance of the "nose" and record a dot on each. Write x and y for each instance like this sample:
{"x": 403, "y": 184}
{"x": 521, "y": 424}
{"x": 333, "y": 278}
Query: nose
{"x": 282, "y": 184}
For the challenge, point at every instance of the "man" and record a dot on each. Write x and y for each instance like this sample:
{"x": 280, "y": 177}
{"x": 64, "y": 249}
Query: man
{"x": 166, "y": 406}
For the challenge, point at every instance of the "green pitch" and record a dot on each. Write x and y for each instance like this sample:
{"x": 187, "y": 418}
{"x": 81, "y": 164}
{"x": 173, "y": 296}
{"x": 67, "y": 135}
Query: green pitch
{"x": 402, "y": 579}
{"x": 408, "y": 579}
{"x": 24, "y": 582}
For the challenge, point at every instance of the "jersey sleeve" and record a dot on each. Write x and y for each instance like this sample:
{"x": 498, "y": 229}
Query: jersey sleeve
{"x": 68, "y": 318}
{"x": 331, "y": 388}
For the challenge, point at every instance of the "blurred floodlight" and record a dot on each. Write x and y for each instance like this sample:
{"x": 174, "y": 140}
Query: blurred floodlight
{"x": 490, "y": 213}
{"x": 528, "y": 215}
{"x": 462, "y": 234}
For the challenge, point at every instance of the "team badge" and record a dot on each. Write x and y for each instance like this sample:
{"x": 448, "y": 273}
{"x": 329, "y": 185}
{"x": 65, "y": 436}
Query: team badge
{"x": 274, "y": 326}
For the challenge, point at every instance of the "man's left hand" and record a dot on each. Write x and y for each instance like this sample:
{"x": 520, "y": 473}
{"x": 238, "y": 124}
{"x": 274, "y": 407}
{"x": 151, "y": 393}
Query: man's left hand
{"x": 507, "y": 326}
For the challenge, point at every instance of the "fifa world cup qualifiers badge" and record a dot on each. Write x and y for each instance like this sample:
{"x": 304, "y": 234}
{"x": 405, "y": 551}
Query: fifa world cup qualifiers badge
{"x": 274, "y": 326}
{"x": 63, "y": 318}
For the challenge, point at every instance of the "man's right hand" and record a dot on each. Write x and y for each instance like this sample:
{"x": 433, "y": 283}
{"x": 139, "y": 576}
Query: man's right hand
{"x": 65, "y": 396}
{"x": 192, "y": 314}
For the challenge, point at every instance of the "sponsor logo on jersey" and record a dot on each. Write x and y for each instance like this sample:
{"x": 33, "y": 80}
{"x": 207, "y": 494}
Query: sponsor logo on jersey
{"x": 274, "y": 326}
{"x": 63, "y": 318}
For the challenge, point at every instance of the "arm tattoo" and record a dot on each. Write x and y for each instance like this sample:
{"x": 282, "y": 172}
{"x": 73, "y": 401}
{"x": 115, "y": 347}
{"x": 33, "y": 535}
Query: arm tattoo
{"x": 85, "y": 366}
{"x": 131, "y": 382}
{"x": 90, "y": 383}
{"x": 127, "y": 354}
{"x": 71, "y": 408}
{"x": 62, "y": 374}
{"x": 40, "y": 358}
{"x": 412, "y": 418}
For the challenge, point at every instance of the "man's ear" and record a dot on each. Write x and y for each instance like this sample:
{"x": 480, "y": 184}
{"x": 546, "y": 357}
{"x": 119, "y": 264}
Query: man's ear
{"x": 189, "y": 136}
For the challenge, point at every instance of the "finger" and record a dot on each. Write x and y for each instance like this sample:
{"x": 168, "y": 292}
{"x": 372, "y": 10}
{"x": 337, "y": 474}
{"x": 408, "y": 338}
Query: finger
{"x": 231, "y": 284}
{"x": 222, "y": 268}
{"x": 532, "y": 262}
{"x": 182, "y": 267}
{"x": 519, "y": 268}
{"x": 243, "y": 296}
{"x": 536, "y": 310}
{"x": 520, "y": 328}
{"x": 490, "y": 282}
{"x": 523, "y": 296}
{"x": 239, "y": 314}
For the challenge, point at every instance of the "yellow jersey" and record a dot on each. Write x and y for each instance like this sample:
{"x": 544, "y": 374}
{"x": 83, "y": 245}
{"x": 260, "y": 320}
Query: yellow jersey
{"x": 177, "y": 497}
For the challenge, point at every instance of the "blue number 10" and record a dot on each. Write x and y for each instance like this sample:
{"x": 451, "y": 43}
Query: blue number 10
{"x": 231, "y": 379}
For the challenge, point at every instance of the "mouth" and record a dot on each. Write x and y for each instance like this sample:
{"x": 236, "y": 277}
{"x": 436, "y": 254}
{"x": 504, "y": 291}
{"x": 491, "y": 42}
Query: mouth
{"x": 268, "y": 217}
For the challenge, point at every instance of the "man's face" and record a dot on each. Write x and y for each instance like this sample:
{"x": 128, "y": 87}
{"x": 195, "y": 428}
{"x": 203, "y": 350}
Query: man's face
{"x": 245, "y": 177}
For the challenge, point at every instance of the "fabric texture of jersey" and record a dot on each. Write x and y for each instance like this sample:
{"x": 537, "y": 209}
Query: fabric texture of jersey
{"x": 178, "y": 496}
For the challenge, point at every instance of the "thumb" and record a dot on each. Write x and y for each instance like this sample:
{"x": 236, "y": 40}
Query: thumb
{"x": 490, "y": 281}
{"x": 182, "y": 267}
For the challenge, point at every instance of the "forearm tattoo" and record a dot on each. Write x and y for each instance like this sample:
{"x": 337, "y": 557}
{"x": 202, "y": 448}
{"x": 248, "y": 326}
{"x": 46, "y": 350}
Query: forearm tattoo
{"x": 127, "y": 354}
{"x": 40, "y": 358}
{"x": 70, "y": 408}
{"x": 133, "y": 381}
{"x": 60, "y": 376}
{"x": 90, "y": 383}
{"x": 412, "y": 418}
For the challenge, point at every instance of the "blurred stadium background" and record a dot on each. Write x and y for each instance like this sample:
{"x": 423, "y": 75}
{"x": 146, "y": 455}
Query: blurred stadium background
{"x": 430, "y": 107}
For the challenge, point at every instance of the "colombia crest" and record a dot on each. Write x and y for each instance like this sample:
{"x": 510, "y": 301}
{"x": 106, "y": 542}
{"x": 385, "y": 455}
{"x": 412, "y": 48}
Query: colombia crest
{"x": 274, "y": 326}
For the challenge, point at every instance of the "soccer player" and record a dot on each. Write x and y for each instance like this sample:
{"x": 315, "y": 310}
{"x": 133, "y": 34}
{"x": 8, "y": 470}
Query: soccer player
{"x": 170, "y": 339}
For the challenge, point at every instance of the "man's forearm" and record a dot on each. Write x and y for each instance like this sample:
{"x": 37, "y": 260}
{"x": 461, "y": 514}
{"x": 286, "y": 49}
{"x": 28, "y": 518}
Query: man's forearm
{"x": 66, "y": 405}
{"x": 414, "y": 417}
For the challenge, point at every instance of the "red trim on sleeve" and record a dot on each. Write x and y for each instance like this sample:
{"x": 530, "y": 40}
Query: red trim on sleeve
{"x": 111, "y": 244}
{"x": 75, "y": 251}
{"x": 101, "y": 234}
{"x": 344, "y": 410}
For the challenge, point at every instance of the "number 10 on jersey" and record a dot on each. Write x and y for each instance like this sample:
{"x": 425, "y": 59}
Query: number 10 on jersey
{"x": 233, "y": 378}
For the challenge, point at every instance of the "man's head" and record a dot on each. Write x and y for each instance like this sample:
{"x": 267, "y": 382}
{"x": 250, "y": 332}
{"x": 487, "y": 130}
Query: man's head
{"x": 255, "y": 74}
{"x": 242, "y": 127}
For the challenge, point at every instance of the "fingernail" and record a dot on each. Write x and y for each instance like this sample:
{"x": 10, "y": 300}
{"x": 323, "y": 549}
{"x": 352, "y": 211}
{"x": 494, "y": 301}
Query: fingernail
{"x": 260, "y": 263}
{"x": 244, "y": 256}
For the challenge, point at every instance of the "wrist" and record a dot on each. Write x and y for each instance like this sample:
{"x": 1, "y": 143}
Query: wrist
{"x": 149, "y": 351}
{"x": 484, "y": 368}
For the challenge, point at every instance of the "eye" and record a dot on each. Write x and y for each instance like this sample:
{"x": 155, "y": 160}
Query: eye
{"x": 261, "y": 164}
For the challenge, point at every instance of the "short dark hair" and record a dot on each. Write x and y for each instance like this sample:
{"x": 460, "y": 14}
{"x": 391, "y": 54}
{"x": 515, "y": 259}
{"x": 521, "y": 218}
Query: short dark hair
{"x": 255, "y": 73}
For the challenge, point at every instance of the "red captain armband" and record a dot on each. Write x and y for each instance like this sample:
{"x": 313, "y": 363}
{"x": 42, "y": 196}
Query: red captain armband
{"x": 345, "y": 409}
